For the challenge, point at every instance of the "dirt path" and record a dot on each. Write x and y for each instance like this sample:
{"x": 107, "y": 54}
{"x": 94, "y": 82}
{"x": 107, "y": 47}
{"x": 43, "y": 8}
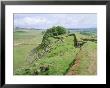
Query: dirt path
{"x": 87, "y": 65}
{"x": 16, "y": 44}
{"x": 71, "y": 71}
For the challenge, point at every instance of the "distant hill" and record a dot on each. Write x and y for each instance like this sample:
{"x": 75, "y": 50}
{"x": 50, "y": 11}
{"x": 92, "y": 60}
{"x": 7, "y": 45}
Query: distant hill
{"x": 71, "y": 29}
{"x": 20, "y": 29}
{"x": 83, "y": 30}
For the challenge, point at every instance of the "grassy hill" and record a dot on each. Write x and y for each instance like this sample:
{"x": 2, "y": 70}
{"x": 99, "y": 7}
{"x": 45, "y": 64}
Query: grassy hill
{"x": 57, "y": 54}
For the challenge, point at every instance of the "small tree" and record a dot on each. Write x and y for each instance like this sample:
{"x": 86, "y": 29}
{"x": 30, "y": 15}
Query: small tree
{"x": 54, "y": 31}
{"x": 60, "y": 30}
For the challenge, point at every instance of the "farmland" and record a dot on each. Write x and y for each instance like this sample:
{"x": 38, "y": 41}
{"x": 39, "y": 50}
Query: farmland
{"x": 62, "y": 58}
{"x": 24, "y": 41}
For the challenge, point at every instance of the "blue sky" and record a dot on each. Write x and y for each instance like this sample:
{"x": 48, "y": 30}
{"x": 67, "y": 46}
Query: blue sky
{"x": 44, "y": 21}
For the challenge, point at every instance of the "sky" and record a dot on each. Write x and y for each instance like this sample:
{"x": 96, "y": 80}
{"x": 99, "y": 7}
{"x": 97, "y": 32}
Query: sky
{"x": 45, "y": 21}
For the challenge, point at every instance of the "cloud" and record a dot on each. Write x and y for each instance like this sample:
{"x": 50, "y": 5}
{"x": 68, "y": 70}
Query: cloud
{"x": 30, "y": 21}
{"x": 49, "y": 20}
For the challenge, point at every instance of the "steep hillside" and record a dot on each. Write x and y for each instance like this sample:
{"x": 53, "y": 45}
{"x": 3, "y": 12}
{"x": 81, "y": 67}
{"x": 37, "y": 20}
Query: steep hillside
{"x": 57, "y": 53}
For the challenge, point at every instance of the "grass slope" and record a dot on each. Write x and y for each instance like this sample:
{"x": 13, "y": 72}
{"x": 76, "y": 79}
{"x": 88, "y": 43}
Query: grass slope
{"x": 24, "y": 41}
{"x": 58, "y": 59}
{"x": 86, "y": 60}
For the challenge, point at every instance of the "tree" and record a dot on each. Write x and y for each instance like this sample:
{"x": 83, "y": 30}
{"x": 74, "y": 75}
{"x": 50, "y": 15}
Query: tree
{"x": 54, "y": 31}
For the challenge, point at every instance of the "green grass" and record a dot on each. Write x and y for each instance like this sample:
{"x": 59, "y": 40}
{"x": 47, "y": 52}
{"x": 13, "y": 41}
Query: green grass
{"x": 28, "y": 36}
{"x": 88, "y": 59}
{"x": 82, "y": 36}
{"x": 59, "y": 59}
{"x": 24, "y": 41}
